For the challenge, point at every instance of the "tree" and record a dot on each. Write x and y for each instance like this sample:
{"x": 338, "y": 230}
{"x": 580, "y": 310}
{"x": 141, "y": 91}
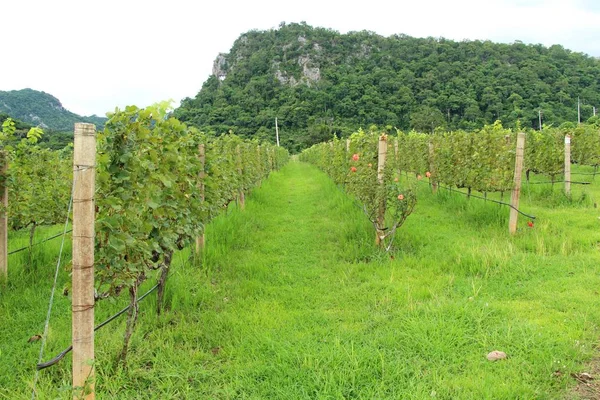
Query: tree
{"x": 427, "y": 119}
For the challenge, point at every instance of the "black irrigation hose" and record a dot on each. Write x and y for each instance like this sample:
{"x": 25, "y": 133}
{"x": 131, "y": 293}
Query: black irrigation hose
{"x": 466, "y": 194}
{"x": 486, "y": 199}
{"x": 561, "y": 181}
{"x": 63, "y": 353}
{"x": 40, "y": 242}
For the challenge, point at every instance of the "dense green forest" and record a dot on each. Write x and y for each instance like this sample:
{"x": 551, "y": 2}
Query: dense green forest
{"x": 319, "y": 82}
{"x": 43, "y": 110}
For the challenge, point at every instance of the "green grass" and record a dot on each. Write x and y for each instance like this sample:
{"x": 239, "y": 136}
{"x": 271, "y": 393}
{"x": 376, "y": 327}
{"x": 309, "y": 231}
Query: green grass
{"x": 294, "y": 302}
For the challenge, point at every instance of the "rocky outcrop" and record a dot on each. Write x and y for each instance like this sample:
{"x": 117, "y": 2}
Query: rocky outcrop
{"x": 220, "y": 66}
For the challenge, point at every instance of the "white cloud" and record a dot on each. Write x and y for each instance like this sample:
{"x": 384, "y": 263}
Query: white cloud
{"x": 95, "y": 55}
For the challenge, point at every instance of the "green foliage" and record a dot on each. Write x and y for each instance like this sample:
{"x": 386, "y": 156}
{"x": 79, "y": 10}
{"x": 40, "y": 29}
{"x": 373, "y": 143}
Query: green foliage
{"x": 482, "y": 160}
{"x": 146, "y": 173}
{"x": 39, "y": 185}
{"x": 585, "y": 144}
{"x": 545, "y": 152}
{"x": 319, "y": 82}
{"x": 38, "y": 179}
{"x": 296, "y": 304}
{"x": 151, "y": 201}
{"x": 353, "y": 163}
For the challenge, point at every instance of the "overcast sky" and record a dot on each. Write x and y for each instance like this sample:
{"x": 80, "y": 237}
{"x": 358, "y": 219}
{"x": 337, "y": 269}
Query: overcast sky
{"x": 94, "y": 55}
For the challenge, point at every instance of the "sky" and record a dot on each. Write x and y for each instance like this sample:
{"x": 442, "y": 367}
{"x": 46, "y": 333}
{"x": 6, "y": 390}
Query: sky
{"x": 97, "y": 55}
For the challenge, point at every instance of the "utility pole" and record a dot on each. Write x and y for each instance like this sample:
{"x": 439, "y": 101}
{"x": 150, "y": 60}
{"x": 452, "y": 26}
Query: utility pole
{"x": 578, "y": 111}
{"x": 594, "y": 111}
{"x": 540, "y": 118}
{"x": 277, "y": 131}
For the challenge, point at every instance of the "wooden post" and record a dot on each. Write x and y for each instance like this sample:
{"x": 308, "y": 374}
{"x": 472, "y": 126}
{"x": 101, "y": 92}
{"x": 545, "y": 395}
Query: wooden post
{"x": 347, "y": 145}
{"x": 432, "y": 177}
{"x": 277, "y": 131}
{"x": 241, "y": 196}
{"x": 201, "y": 177}
{"x": 84, "y": 174}
{"x": 568, "y": 165}
{"x": 514, "y": 200}
{"x": 3, "y": 217}
{"x": 382, "y": 153}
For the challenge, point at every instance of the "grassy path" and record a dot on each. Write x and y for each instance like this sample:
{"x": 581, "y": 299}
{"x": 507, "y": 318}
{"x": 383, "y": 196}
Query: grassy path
{"x": 298, "y": 304}
{"x": 294, "y": 302}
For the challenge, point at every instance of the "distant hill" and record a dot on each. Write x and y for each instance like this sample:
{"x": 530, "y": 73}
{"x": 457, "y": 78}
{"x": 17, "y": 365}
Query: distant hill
{"x": 318, "y": 82}
{"x": 42, "y": 109}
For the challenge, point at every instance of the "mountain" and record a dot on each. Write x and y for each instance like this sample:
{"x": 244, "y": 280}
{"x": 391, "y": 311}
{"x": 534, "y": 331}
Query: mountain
{"x": 318, "y": 82}
{"x": 42, "y": 109}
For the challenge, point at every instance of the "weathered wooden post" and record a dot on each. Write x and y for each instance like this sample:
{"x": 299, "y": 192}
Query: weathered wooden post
{"x": 381, "y": 156}
{"x": 201, "y": 178}
{"x": 3, "y": 216}
{"x": 238, "y": 160}
{"x": 514, "y": 199}
{"x": 347, "y": 145}
{"x": 84, "y": 174}
{"x": 568, "y": 165}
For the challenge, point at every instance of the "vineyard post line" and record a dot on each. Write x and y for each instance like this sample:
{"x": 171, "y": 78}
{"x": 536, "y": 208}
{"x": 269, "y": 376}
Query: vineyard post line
{"x": 84, "y": 173}
{"x": 381, "y": 156}
{"x": 568, "y": 165}
{"x": 201, "y": 177}
{"x": 4, "y": 217}
{"x": 514, "y": 199}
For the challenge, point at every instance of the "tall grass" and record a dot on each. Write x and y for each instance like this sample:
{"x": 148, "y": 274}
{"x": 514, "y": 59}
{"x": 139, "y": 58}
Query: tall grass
{"x": 291, "y": 300}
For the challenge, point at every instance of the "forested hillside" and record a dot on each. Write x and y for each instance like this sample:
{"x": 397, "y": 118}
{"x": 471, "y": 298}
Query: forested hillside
{"x": 42, "y": 109}
{"x": 319, "y": 82}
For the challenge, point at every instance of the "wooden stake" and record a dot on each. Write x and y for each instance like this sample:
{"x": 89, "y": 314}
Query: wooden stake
{"x": 277, "y": 131}
{"x": 568, "y": 165}
{"x": 382, "y": 153}
{"x": 347, "y": 145}
{"x": 514, "y": 200}
{"x": 201, "y": 177}
{"x": 241, "y": 197}
{"x": 84, "y": 174}
{"x": 3, "y": 217}
{"x": 432, "y": 180}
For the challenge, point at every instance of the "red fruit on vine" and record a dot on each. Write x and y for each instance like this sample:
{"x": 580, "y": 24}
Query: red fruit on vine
{"x": 353, "y": 169}
{"x": 428, "y": 174}
{"x": 400, "y": 197}
{"x": 530, "y": 224}
{"x": 419, "y": 177}
{"x": 355, "y": 157}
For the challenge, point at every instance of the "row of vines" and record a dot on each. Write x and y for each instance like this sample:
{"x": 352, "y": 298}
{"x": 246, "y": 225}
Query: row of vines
{"x": 366, "y": 166}
{"x": 158, "y": 182}
{"x": 483, "y": 161}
